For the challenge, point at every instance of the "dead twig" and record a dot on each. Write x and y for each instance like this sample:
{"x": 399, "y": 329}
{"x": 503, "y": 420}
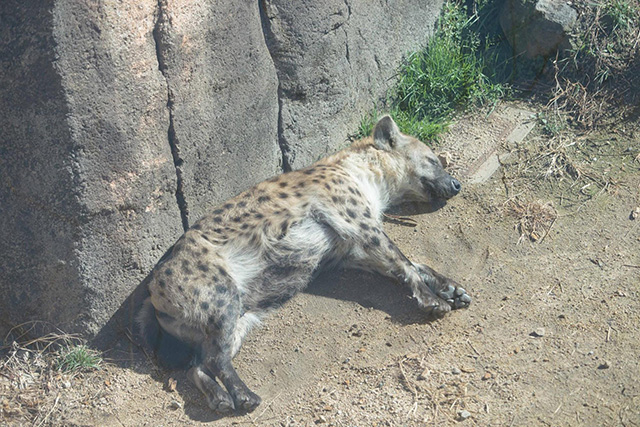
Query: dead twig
{"x": 50, "y": 411}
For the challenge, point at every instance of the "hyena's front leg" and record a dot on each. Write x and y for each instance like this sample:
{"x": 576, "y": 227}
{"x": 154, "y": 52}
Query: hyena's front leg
{"x": 380, "y": 254}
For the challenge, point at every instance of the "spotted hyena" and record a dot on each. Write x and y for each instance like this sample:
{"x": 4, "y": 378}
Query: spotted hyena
{"x": 262, "y": 247}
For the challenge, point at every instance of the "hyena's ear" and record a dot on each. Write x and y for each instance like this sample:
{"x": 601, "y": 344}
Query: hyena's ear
{"x": 386, "y": 134}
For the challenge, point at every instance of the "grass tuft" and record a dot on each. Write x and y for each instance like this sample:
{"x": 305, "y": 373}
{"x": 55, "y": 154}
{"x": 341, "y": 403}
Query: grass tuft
{"x": 78, "y": 358}
{"x": 454, "y": 72}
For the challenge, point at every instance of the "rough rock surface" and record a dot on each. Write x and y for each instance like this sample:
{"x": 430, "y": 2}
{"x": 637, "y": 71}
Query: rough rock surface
{"x": 123, "y": 123}
{"x": 335, "y": 58}
{"x": 537, "y": 28}
{"x": 87, "y": 179}
{"x": 223, "y": 99}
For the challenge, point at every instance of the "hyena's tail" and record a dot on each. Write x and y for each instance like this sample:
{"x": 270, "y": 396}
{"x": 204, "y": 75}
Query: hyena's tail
{"x": 171, "y": 352}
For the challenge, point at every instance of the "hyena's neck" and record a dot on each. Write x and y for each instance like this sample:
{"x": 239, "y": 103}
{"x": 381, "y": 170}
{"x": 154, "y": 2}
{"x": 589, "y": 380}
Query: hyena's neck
{"x": 378, "y": 174}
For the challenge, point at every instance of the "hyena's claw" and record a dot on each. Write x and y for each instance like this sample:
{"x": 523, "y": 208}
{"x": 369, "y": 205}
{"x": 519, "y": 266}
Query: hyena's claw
{"x": 436, "y": 310}
{"x": 447, "y": 293}
{"x": 221, "y": 406}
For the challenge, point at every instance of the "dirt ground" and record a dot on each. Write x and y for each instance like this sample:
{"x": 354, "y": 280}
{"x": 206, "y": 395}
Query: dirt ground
{"x": 549, "y": 251}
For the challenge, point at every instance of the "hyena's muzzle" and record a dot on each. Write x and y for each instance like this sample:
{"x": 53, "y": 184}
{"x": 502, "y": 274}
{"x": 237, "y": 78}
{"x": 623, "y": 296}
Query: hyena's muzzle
{"x": 443, "y": 186}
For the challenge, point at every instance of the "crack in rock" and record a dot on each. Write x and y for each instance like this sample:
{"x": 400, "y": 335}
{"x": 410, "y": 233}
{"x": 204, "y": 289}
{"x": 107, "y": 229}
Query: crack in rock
{"x": 162, "y": 43}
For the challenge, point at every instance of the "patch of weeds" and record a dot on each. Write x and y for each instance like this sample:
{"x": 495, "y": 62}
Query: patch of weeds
{"x": 603, "y": 68}
{"x": 454, "y": 72}
{"x": 553, "y": 123}
{"x": 78, "y": 358}
{"x": 619, "y": 16}
{"x": 38, "y": 363}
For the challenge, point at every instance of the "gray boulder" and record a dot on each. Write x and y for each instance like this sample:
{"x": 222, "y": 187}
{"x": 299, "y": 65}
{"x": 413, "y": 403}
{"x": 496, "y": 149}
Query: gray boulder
{"x": 537, "y": 28}
{"x": 87, "y": 179}
{"x": 223, "y": 99}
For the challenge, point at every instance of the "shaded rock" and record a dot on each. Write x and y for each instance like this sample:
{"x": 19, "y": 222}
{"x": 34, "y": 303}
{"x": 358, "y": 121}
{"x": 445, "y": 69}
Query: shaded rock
{"x": 537, "y": 28}
{"x": 87, "y": 179}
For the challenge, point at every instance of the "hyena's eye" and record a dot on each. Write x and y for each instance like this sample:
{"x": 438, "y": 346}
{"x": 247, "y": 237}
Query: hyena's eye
{"x": 433, "y": 161}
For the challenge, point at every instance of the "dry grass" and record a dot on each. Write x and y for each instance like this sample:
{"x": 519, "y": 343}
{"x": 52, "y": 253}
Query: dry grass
{"x": 534, "y": 219}
{"x": 31, "y": 385}
{"x": 603, "y": 69}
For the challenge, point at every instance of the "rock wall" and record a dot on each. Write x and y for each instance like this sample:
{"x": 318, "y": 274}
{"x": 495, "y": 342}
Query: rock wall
{"x": 124, "y": 121}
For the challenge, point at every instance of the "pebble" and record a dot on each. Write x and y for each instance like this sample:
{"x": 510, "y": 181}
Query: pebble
{"x": 604, "y": 365}
{"x": 539, "y": 332}
{"x": 464, "y": 414}
{"x": 456, "y": 371}
{"x": 175, "y": 405}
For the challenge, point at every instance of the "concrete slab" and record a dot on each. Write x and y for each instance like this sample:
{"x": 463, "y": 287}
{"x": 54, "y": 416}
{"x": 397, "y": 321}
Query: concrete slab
{"x": 476, "y": 142}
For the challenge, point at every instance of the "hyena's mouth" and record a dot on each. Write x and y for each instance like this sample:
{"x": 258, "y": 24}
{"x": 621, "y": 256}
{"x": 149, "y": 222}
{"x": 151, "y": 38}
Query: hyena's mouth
{"x": 443, "y": 188}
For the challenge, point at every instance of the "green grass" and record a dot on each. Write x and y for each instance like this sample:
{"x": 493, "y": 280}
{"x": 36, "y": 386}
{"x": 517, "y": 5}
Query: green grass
{"x": 619, "y": 15}
{"x": 455, "y": 71}
{"x": 78, "y": 358}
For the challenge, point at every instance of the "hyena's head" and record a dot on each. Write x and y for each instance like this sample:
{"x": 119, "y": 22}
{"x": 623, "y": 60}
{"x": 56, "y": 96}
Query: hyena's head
{"x": 422, "y": 176}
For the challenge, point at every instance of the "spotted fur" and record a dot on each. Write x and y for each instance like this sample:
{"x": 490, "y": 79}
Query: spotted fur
{"x": 259, "y": 249}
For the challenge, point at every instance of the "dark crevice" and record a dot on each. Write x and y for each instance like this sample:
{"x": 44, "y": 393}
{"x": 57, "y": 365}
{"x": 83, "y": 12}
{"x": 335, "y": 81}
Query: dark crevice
{"x": 161, "y": 44}
{"x": 270, "y": 41}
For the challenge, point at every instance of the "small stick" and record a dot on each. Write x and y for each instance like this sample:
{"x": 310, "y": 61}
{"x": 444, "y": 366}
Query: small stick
{"x": 631, "y": 265}
{"x": 266, "y": 407}
{"x": 548, "y": 230}
{"x": 50, "y": 410}
{"x": 608, "y": 334}
{"x": 473, "y": 348}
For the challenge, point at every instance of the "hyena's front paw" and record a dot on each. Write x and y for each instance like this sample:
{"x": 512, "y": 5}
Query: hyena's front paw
{"x": 431, "y": 304}
{"x": 454, "y": 295}
{"x": 445, "y": 288}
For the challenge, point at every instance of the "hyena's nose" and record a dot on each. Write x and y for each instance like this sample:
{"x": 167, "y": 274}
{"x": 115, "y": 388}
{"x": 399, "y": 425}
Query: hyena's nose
{"x": 455, "y": 185}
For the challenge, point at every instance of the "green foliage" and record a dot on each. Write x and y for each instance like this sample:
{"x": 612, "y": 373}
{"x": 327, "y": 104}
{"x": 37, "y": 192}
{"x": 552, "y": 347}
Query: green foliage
{"x": 456, "y": 70}
{"x": 78, "y": 358}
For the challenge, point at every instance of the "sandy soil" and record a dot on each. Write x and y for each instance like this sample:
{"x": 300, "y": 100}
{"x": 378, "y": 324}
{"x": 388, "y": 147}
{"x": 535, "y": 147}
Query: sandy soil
{"x": 551, "y": 337}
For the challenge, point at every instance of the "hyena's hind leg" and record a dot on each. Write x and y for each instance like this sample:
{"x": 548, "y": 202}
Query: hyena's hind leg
{"x": 217, "y": 398}
{"x": 217, "y": 350}
{"x": 443, "y": 287}
{"x": 217, "y": 355}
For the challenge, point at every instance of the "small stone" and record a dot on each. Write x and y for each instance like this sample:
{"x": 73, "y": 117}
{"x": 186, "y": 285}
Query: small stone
{"x": 445, "y": 158}
{"x": 464, "y": 414}
{"x": 604, "y": 365}
{"x": 487, "y": 376}
{"x": 538, "y": 333}
{"x": 175, "y": 405}
{"x": 456, "y": 371}
{"x": 424, "y": 375}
